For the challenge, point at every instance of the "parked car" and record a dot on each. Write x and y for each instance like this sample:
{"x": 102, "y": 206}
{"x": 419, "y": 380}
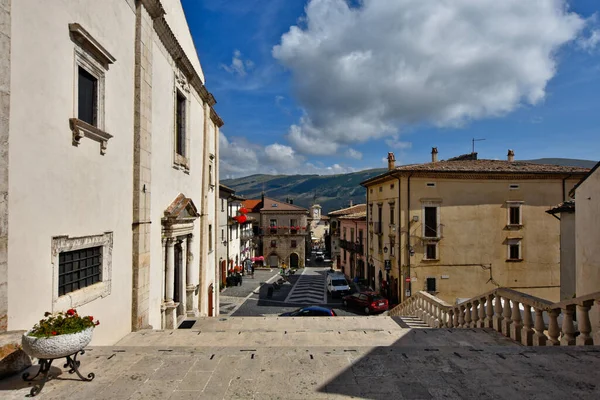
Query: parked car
{"x": 312, "y": 311}
{"x": 337, "y": 285}
{"x": 368, "y": 302}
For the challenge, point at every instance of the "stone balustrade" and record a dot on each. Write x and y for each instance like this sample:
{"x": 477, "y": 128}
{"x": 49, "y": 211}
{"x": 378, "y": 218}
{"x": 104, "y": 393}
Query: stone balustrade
{"x": 526, "y": 319}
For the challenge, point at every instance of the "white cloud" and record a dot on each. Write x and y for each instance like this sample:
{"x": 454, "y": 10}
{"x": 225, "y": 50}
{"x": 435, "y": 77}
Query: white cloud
{"x": 396, "y": 143}
{"x": 590, "y": 42}
{"x": 361, "y": 73}
{"x": 238, "y": 66}
{"x": 357, "y": 155}
{"x": 238, "y": 157}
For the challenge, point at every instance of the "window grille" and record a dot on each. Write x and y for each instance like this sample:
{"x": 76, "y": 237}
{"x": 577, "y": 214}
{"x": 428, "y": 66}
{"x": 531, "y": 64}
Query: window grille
{"x": 79, "y": 269}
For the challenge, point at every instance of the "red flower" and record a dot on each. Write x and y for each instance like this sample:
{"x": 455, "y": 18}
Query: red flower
{"x": 54, "y": 332}
{"x": 71, "y": 311}
{"x": 91, "y": 318}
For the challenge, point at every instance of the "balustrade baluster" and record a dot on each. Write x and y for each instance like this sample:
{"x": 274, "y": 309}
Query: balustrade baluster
{"x": 527, "y": 330}
{"x": 461, "y": 316}
{"x": 568, "y": 330}
{"x": 475, "y": 314}
{"x": 450, "y": 323}
{"x": 498, "y": 314}
{"x": 489, "y": 312}
{"x": 516, "y": 325}
{"x": 467, "y": 323}
{"x": 584, "y": 325}
{"x": 481, "y": 320}
{"x": 506, "y": 320}
{"x": 553, "y": 330}
{"x": 444, "y": 318}
{"x": 539, "y": 338}
{"x": 455, "y": 320}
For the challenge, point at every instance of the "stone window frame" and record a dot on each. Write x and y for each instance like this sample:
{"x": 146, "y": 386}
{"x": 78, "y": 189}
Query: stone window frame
{"x": 438, "y": 228}
{"x": 434, "y": 243}
{"x": 91, "y": 56}
{"x": 514, "y": 242}
{"x": 510, "y": 205}
{"x": 90, "y": 293}
{"x": 181, "y": 88}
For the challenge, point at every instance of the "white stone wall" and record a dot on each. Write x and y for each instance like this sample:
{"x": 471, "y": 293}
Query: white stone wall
{"x": 57, "y": 188}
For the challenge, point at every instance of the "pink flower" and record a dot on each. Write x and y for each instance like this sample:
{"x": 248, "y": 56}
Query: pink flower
{"x": 71, "y": 311}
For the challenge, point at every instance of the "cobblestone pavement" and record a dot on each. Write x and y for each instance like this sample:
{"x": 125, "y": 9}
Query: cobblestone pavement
{"x": 233, "y": 297}
{"x": 419, "y": 364}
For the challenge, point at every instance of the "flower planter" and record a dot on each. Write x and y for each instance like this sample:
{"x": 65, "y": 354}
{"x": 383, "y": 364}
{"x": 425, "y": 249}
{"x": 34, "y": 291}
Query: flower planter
{"x": 56, "y": 346}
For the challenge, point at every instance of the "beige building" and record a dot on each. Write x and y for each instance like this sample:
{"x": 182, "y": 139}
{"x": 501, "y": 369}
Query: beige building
{"x": 108, "y": 185}
{"x": 335, "y": 231}
{"x": 461, "y": 227}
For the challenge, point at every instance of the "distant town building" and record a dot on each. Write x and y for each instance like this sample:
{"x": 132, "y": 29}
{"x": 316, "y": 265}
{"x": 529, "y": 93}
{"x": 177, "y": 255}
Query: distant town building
{"x": 281, "y": 234}
{"x": 335, "y": 231}
{"x": 353, "y": 240}
{"x": 460, "y": 227}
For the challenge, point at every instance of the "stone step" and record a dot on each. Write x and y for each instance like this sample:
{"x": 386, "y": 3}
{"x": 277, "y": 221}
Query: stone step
{"x": 259, "y": 332}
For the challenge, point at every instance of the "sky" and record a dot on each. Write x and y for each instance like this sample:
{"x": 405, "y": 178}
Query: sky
{"x": 332, "y": 86}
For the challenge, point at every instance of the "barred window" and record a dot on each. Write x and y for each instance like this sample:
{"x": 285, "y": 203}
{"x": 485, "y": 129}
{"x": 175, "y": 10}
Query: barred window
{"x": 79, "y": 269}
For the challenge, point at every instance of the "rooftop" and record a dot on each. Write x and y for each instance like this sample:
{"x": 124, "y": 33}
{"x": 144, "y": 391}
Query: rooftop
{"x": 349, "y": 210}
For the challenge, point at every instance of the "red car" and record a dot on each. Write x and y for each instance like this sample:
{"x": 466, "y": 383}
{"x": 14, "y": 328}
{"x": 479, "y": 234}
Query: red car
{"x": 369, "y": 302}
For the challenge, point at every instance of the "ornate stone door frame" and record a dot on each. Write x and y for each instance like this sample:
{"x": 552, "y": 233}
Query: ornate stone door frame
{"x": 178, "y": 228}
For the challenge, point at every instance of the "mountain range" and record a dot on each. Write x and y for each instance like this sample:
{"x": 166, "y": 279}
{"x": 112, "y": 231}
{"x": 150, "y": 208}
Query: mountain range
{"x": 332, "y": 192}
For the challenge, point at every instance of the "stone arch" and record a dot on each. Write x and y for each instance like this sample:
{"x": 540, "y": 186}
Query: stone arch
{"x": 294, "y": 260}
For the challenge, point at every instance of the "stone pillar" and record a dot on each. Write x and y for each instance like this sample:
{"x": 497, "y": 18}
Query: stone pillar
{"x": 5, "y": 52}
{"x": 163, "y": 268}
{"x": 183, "y": 275}
{"x": 170, "y": 305}
{"x": 170, "y": 271}
{"x": 142, "y": 150}
{"x": 192, "y": 280}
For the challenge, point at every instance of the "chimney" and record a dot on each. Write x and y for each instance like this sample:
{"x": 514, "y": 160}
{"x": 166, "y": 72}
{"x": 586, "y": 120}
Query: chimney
{"x": 291, "y": 201}
{"x": 391, "y": 161}
{"x": 262, "y": 198}
{"x": 351, "y": 199}
{"x": 511, "y": 155}
{"x": 434, "y": 154}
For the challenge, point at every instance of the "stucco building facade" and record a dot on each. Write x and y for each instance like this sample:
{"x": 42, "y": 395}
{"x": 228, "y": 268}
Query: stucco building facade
{"x": 461, "y": 227}
{"x": 335, "y": 231}
{"x": 113, "y": 141}
{"x": 353, "y": 240}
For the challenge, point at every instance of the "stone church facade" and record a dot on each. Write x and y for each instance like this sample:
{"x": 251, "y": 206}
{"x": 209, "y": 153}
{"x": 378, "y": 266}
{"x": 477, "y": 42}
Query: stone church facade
{"x": 109, "y": 166}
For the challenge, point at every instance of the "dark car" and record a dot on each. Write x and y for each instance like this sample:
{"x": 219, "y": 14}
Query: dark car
{"x": 312, "y": 311}
{"x": 369, "y": 302}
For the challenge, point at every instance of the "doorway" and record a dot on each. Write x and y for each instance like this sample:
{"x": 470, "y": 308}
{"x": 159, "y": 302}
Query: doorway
{"x": 293, "y": 260}
{"x": 273, "y": 261}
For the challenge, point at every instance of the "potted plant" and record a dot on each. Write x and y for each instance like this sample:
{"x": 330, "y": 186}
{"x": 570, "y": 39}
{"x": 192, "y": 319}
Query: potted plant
{"x": 59, "y": 335}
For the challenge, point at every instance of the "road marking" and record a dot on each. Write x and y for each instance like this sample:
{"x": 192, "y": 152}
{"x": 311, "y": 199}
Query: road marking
{"x": 307, "y": 290}
{"x": 250, "y": 295}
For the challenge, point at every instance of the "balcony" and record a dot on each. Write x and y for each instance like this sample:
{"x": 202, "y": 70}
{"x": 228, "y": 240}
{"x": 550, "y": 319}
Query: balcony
{"x": 352, "y": 247}
{"x": 282, "y": 231}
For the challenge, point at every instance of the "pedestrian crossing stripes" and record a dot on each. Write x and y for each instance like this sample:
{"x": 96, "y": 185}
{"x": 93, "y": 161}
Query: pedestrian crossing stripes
{"x": 309, "y": 289}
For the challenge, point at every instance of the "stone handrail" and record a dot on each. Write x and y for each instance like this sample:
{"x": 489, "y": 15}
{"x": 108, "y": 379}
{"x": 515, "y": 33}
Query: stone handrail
{"x": 510, "y": 313}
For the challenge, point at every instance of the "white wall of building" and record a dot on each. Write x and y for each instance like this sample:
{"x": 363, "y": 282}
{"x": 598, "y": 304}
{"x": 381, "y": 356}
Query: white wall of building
{"x": 57, "y": 188}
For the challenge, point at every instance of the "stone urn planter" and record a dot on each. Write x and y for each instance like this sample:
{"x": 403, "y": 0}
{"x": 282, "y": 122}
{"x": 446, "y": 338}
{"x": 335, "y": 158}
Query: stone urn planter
{"x": 47, "y": 349}
{"x": 56, "y": 346}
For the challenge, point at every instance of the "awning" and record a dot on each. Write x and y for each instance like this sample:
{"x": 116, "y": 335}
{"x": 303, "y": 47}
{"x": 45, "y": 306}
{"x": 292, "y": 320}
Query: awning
{"x": 259, "y": 258}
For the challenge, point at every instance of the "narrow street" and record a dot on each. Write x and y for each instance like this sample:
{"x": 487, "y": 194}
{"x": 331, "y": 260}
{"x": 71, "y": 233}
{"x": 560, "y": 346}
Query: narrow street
{"x": 307, "y": 287}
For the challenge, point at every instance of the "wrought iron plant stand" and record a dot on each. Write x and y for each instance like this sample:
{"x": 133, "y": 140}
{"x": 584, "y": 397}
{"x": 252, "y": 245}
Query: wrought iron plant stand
{"x": 46, "y": 363}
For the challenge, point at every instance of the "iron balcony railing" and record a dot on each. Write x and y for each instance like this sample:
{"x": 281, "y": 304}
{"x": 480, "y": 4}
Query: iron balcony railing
{"x": 352, "y": 247}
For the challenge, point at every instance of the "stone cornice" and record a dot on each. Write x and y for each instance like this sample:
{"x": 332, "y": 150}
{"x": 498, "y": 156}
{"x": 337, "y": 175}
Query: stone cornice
{"x": 154, "y": 8}
{"x": 172, "y": 45}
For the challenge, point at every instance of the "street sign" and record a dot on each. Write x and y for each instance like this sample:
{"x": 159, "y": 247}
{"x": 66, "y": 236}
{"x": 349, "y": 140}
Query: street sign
{"x": 387, "y": 265}
{"x": 407, "y": 279}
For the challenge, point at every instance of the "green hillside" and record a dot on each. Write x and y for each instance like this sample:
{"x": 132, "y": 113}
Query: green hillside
{"x": 332, "y": 191}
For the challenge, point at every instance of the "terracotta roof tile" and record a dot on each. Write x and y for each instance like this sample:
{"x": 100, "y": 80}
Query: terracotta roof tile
{"x": 276, "y": 205}
{"x": 251, "y": 205}
{"x": 490, "y": 166}
{"x": 358, "y": 215}
{"x": 565, "y": 206}
{"x": 349, "y": 210}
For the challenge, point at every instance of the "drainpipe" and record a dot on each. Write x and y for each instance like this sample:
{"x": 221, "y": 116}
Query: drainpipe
{"x": 564, "y": 189}
{"x": 409, "y": 219}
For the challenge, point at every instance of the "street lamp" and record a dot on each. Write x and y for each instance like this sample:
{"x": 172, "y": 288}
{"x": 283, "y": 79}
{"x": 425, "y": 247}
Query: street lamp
{"x": 385, "y": 249}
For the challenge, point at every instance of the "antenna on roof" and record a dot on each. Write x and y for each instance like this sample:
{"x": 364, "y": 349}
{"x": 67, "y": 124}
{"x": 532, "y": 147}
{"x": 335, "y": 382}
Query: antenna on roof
{"x": 473, "y": 141}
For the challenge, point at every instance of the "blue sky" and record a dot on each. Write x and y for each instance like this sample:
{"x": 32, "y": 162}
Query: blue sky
{"x": 329, "y": 86}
